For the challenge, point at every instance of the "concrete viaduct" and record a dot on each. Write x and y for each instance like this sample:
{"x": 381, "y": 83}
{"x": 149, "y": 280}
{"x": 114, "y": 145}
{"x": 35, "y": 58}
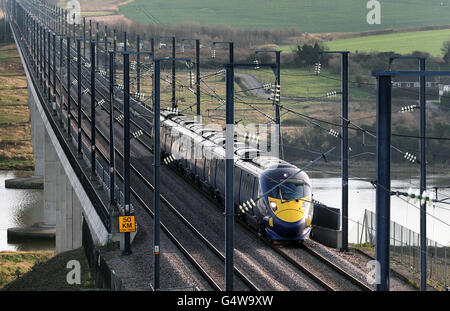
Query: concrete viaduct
{"x": 72, "y": 189}
{"x": 79, "y": 133}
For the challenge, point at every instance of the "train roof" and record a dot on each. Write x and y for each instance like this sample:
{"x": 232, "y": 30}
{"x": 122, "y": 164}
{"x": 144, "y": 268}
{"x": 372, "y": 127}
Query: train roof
{"x": 243, "y": 151}
{"x": 286, "y": 170}
{"x": 265, "y": 161}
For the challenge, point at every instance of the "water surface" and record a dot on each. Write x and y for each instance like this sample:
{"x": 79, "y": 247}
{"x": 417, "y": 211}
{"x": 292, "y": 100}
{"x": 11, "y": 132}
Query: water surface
{"x": 362, "y": 196}
{"x": 20, "y": 208}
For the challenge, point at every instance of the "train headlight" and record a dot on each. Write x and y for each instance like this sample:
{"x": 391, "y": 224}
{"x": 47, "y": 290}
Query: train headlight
{"x": 273, "y": 205}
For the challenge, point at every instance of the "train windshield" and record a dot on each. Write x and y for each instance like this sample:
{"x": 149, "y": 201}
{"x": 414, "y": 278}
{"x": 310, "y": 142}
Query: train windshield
{"x": 290, "y": 190}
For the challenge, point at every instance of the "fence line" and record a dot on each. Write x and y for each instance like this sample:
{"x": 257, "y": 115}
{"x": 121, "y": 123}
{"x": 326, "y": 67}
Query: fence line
{"x": 103, "y": 276}
{"x": 405, "y": 249}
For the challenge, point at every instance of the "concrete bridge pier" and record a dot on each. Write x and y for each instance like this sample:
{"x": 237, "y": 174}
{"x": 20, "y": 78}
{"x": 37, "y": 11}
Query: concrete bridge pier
{"x": 67, "y": 193}
{"x": 62, "y": 209}
{"x": 36, "y": 181}
{"x": 51, "y": 185}
{"x": 37, "y": 136}
{"x": 68, "y": 214}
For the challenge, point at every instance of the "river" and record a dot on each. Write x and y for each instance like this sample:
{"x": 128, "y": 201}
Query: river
{"x": 20, "y": 208}
{"x": 362, "y": 196}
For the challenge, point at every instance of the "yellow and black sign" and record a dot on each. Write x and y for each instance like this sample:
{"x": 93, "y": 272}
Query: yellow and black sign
{"x": 127, "y": 224}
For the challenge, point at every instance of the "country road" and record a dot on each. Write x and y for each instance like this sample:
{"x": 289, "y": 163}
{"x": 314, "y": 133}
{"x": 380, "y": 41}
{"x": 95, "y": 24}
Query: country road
{"x": 251, "y": 83}
{"x": 257, "y": 88}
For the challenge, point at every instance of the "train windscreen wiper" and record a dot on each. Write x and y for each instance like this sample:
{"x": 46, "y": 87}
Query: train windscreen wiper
{"x": 281, "y": 195}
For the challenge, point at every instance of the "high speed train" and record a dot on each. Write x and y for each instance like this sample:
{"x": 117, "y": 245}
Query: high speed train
{"x": 277, "y": 208}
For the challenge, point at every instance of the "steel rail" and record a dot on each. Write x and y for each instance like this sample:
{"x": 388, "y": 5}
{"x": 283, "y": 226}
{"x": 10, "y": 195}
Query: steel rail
{"x": 338, "y": 269}
{"x": 146, "y": 183}
{"x": 288, "y": 258}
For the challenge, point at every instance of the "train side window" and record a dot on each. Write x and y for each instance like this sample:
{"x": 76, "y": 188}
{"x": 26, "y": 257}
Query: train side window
{"x": 165, "y": 137}
{"x": 169, "y": 143}
{"x": 244, "y": 187}
{"x": 207, "y": 168}
{"x": 255, "y": 187}
{"x": 173, "y": 142}
{"x": 222, "y": 171}
{"x": 204, "y": 168}
{"x": 249, "y": 186}
{"x": 214, "y": 170}
{"x": 237, "y": 183}
{"x": 219, "y": 171}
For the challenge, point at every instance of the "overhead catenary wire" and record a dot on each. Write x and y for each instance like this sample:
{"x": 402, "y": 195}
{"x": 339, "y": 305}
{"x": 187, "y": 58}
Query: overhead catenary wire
{"x": 332, "y": 123}
{"x": 401, "y": 135}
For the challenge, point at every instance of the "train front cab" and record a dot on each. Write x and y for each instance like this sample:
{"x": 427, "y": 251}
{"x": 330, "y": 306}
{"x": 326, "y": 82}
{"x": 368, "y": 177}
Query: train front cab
{"x": 288, "y": 208}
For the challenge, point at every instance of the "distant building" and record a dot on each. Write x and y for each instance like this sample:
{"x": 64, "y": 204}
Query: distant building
{"x": 413, "y": 82}
{"x": 410, "y": 84}
{"x": 444, "y": 87}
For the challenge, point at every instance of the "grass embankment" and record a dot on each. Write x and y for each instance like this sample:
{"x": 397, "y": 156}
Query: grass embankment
{"x": 310, "y": 16}
{"x": 13, "y": 265}
{"x": 16, "y": 150}
{"x": 430, "y": 41}
{"x": 98, "y": 13}
{"x": 43, "y": 271}
{"x": 402, "y": 42}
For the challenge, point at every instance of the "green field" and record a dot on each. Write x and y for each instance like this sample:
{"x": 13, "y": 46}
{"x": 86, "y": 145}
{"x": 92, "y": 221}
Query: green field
{"x": 16, "y": 150}
{"x": 302, "y": 91}
{"x": 403, "y": 43}
{"x": 98, "y": 13}
{"x": 305, "y": 83}
{"x": 312, "y": 16}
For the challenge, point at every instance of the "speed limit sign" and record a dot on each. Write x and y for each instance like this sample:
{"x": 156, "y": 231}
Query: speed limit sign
{"x": 127, "y": 224}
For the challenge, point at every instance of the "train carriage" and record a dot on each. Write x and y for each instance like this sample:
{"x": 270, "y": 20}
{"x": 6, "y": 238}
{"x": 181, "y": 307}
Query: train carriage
{"x": 271, "y": 195}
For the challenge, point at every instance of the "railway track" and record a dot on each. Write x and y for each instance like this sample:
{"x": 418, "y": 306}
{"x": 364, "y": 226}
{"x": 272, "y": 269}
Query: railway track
{"x": 315, "y": 273}
{"x": 184, "y": 249}
{"x": 214, "y": 284}
{"x": 317, "y": 276}
{"x": 320, "y": 279}
{"x": 363, "y": 286}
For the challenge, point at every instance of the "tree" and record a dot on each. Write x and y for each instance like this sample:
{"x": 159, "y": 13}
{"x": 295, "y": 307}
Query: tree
{"x": 446, "y": 51}
{"x": 306, "y": 55}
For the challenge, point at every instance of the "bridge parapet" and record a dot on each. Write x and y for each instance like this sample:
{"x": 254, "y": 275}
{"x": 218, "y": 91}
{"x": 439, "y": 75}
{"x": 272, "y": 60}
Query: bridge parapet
{"x": 70, "y": 190}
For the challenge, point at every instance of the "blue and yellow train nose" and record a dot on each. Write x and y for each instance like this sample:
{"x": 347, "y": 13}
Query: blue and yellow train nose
{"x": 288, "y": 220}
